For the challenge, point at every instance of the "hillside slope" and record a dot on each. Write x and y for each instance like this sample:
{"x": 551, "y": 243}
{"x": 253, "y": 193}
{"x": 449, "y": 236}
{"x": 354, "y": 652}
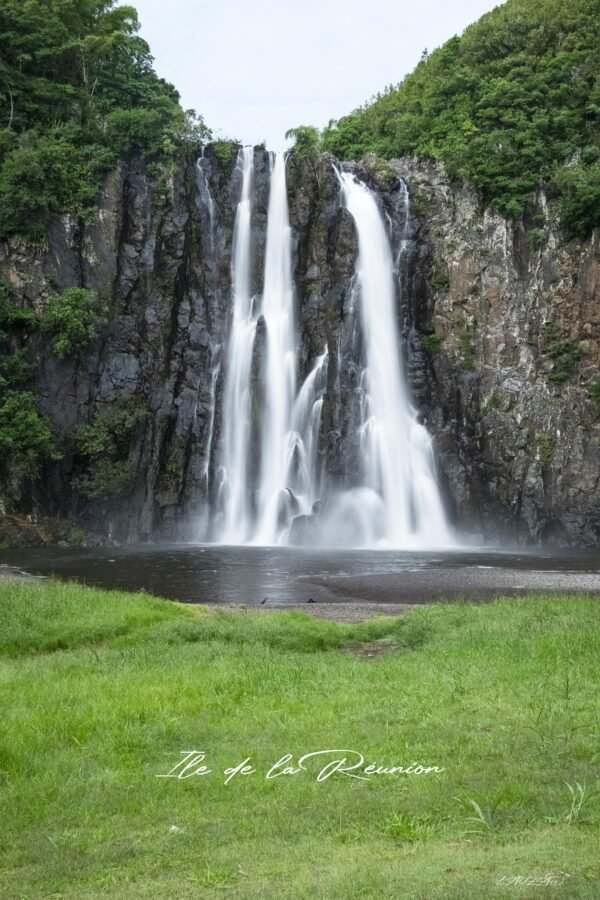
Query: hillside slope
{"x": 511, "y": 104}
{"x": 77, "y": 93}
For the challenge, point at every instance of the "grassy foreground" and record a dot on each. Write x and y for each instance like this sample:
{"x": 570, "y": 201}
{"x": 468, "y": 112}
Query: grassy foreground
{"x": 101, "y": 691}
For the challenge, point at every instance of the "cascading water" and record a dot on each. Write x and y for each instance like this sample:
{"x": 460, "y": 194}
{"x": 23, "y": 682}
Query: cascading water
{"x": 204, "y": 191}
{"x": 402, "y": 497}
{"x": 214, "y": 376}
{"x": 303, "y": 470}
{"x": 281, "y": 363}
{"x": 260, "y": 509}
{"x": 235, "y": 494}
{"x": 394, "y": 501}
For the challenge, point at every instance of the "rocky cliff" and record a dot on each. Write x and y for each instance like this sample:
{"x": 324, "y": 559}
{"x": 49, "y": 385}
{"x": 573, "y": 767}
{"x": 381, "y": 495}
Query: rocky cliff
{"x": 518, "y": 318}
{"x": 500, "y": 327}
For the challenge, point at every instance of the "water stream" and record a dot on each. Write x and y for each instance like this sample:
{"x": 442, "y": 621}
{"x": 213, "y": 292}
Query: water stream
{"x": 395, "y": 501}
{"x": 399, "y": 482}
{"x": 234, "y": 489}
{"x": 281, "y": 363}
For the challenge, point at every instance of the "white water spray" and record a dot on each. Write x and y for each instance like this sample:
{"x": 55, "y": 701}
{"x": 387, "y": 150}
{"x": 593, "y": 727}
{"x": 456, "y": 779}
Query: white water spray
{"x": 395, "y": 502}
{"x": 235, "y": 494}
{"x": 397, "y": 451}
{"x": 214, "y": 376}
{"x": 303, "y": 466}
{"x": 280, "y": 376}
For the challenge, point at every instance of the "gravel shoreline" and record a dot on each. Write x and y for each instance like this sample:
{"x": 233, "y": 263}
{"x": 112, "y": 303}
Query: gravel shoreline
{"x": 11, "y": 573}
{"x": 476, "y": 583}
{"x": 356, "y": 598}
{"x": 335, "y": 612}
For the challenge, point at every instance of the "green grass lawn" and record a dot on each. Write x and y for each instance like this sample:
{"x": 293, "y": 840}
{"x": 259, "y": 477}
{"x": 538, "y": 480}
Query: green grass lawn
{"x": 101, "y": 691}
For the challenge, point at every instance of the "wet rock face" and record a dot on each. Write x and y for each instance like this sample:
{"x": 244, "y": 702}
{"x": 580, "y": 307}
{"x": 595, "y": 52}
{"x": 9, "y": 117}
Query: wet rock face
{"x": 518, "y": 453}
{"x": 517, "y": 432}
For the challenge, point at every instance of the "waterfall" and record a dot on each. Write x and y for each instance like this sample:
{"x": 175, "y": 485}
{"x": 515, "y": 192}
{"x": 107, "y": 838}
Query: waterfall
{"x": 399, "y": 484}
{"x": 303, "y": 468}
{"x": 214, "y": 376}
{"x": 271, "y": 447}
{"x": 234, "y": 490}
{"x": 259, "y": 507}
{"x": 204, "y": 191}
{"x": 281, "y": 363}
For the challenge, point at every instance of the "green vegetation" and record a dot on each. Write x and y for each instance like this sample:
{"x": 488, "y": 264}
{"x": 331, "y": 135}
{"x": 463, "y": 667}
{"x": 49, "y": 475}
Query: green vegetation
{"x": 102, "y": 691}
{"x": 223, "y": 150}
{"x": 579, "y": 186}
{"x": 65, "y": 616}
{"x": 15, "y": 369}
{"x": 25, "y": 437}
{"x": 77, "y": 91}
{"x": 511, "y": 104}
{"x": 306, "y": 141}
{"x": 491, "y": 403}
{"x": 564, "y": 352}
{"x": 306, "y": 151}
{"x": 13, "y": 317}
{"x": 466, "y": 343}
{"x": 594, "y": 391}
{"x": 440, "y": 278}
{"x": 383, "y": 173}
{"x": 420, "y": 200}
{"x": 104, "y": 444}
{"x": 42, "y": 175}
{"x": 71, "y": 318}
{"x": 535, "y": 237}
{"x": 432, "y": 343}
{"x": 546, "y": 445}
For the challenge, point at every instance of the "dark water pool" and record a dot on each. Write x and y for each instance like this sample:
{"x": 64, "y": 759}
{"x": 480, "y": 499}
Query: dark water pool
{"x": 285, "y": 576}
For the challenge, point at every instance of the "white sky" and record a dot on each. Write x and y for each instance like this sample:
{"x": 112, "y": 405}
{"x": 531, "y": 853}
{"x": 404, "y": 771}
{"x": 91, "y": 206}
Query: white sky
{"x": 254, "y": 69}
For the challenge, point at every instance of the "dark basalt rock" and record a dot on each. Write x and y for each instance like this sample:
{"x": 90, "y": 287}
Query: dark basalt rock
{"x": 517, "y": 454}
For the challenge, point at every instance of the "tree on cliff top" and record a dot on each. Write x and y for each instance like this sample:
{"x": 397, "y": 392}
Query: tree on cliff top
{"x": 77, "y": 90}
{"x": 511, "y": 104}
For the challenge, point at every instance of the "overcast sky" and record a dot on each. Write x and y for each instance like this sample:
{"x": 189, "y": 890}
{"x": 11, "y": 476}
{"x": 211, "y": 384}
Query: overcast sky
{"x": 254, "y": 69}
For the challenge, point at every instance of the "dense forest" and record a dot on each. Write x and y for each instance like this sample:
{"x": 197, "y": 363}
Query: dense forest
{"x": 511, "y": 104}
{"x": 77, "y": 91}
